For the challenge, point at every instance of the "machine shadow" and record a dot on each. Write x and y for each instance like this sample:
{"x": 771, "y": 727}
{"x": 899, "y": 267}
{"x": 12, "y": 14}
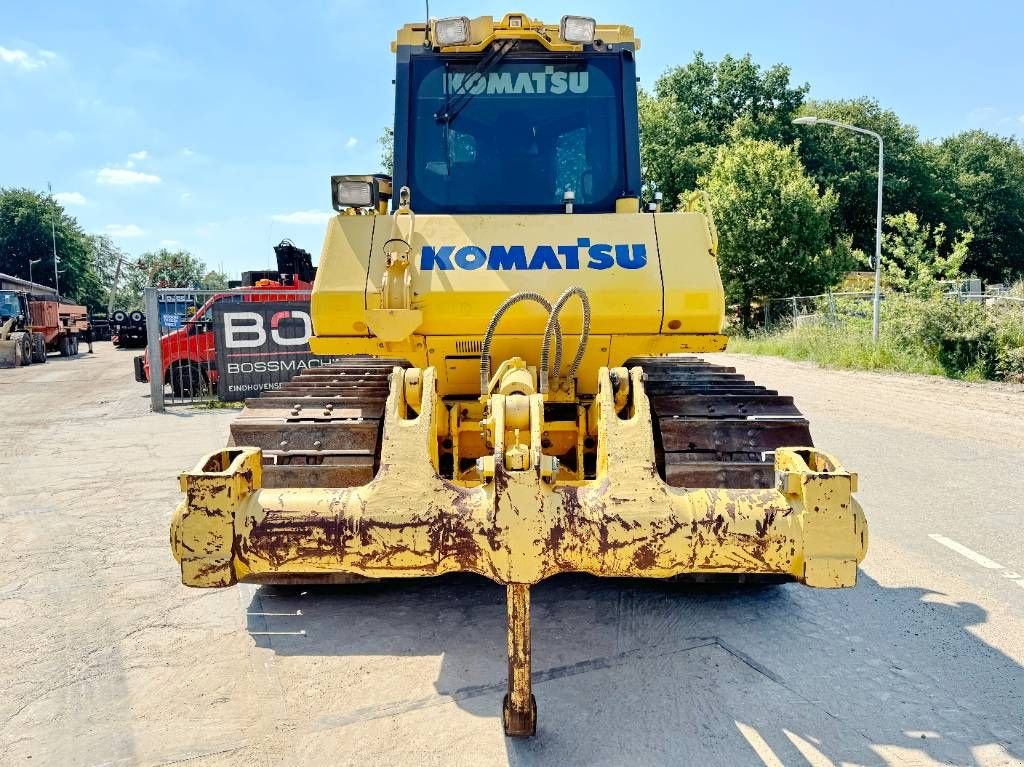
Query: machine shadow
{"x": 661, "y": 673}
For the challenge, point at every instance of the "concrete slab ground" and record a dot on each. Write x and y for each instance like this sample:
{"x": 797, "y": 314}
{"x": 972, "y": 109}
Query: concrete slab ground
{"x": 105, "y": 659}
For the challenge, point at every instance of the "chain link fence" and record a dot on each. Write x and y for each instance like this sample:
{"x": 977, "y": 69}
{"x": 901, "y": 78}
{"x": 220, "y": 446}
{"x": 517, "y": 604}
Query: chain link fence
{"x": 781, "y": 314}
{"x": 215, "y": 345}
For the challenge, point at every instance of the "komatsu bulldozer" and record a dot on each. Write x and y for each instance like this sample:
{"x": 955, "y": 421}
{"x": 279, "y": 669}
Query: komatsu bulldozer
{"x": 515, "y": 392}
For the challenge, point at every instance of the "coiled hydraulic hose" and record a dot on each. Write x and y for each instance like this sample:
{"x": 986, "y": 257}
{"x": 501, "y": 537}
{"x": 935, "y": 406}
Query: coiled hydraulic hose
{"x": 554, "y": 327}
{"x": 508, "y": 303}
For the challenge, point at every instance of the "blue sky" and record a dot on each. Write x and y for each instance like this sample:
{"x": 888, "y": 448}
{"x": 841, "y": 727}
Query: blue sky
{"x": 215, "y": 126}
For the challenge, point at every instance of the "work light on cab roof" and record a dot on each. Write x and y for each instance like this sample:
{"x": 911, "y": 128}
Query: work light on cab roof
{"x": 578, "y": 29}
{"x": 514, "y": 396}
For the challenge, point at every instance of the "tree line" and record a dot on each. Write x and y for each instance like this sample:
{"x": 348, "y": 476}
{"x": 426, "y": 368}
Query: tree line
{"x": 795, "y": 205}
{"x": 87, "y": 262}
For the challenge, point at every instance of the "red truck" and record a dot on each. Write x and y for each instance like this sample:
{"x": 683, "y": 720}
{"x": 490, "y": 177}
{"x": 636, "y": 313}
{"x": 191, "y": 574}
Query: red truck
{"x": 189, "y": 354}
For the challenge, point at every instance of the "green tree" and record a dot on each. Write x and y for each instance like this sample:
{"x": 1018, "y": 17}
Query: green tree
{"x": 698, "y": 107}
{"x": 214, "y": 280}
{"x": 25, "y": 233}
{"x": 983, "y": 176}
{"x": 105, "y": 256}
{"x": 775, "y": 235}
{"x": 169, "y": 269}
{"x": 917, "y": 255}
{"x": 848, "y": 163}
{"x": 387, "y": 150}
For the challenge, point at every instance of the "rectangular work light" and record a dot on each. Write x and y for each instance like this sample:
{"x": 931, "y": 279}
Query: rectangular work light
{"x": 578, "y": 29}
{"x": 451, "y": 31}
{"x": 359, "y": 191}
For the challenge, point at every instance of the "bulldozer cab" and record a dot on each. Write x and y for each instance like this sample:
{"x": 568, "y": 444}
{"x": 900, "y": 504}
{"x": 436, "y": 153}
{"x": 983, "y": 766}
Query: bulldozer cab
{"x": 517, "y": 123}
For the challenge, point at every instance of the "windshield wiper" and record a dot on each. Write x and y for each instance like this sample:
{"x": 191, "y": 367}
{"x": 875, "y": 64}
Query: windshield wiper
{"x": 452, "y": 107}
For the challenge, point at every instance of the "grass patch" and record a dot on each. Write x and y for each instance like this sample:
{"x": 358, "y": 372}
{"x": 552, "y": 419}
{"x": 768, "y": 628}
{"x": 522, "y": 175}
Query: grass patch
{"x": 216, "y": 404}
{"x": 839, "y": 346}
{"x": 935, "y": 335}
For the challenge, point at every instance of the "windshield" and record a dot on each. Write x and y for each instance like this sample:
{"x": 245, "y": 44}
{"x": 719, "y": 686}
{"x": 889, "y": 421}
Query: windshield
{"x": 9, "y": 306}
{"x": 516, "y": 136}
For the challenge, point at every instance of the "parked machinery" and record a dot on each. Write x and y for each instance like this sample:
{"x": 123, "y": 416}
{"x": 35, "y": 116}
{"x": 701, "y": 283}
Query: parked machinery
{"x": 128, "y": 329}
{"x": 514, "y": 398}
{"x": 32, "y": 326}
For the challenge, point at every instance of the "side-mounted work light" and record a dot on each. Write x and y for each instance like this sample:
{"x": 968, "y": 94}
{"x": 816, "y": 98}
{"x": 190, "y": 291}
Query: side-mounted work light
{"x": 578, "y": 29}
{"x": 451, "y": 31}
{"x": 359, "y": 191}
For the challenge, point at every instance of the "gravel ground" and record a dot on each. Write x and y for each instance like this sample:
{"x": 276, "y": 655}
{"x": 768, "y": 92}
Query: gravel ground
{"x": 105, "y": 659}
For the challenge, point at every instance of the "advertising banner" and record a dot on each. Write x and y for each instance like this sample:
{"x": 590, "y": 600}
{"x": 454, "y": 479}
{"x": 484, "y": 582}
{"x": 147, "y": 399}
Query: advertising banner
{"x": 261, "y": 345}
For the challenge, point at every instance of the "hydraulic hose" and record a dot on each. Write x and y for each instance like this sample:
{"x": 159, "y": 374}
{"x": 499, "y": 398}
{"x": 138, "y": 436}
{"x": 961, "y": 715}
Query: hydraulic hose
{"x": 508, "y": 303}
{"x": 554, "y": 327}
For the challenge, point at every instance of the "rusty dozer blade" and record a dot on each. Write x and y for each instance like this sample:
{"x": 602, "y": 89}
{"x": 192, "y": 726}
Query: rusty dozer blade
{"x": 520, "y": 526}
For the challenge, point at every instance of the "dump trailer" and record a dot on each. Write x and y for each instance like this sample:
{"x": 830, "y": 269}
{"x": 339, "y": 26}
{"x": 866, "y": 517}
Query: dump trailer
{"x": 518, "y": 393}
{"x": 31, "y": 326}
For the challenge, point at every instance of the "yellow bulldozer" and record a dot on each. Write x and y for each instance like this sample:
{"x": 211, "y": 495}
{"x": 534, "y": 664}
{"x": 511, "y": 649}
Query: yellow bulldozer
{"x": 515, "y": 392}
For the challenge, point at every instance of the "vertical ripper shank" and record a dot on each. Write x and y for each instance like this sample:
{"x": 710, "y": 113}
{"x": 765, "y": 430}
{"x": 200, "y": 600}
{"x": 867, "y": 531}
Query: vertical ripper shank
{"x": 519, "y": 709}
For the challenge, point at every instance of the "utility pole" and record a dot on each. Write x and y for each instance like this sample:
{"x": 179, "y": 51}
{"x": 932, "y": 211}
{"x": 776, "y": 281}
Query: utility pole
{"x": 113, "y": 285}
{"x": 53, "y": 237}
{"x": 877, "y": 303}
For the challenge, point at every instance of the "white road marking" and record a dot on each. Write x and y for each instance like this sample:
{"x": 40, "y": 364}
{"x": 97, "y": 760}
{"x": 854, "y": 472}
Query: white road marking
{"x": 760, "y": 746}
{"x": 963, "y": 551}
{"x": 278, "y": 633}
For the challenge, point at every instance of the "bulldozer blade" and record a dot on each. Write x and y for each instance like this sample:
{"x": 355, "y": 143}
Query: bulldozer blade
{"x": 519, "y": 529}
{"x": 8, "y": 354}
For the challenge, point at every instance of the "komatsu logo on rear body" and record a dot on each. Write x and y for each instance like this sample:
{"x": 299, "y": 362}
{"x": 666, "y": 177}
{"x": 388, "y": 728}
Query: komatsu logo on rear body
{"x": 581, "y": 255}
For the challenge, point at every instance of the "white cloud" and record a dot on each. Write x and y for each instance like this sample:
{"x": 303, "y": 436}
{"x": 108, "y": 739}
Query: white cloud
{"x": 186, "y": 152}
{"x": 24, "y": 59}
{"x": 70, "y": 198}
{"x": 142, "y": 154}
{"x": 302, "y": 217}
{"x": 351, "y": 143}
{"x": 169, "y": 244}
{"x": 124, "y": 230}
{"x": 186, "y": 195}
{"x": 124, "y": 177}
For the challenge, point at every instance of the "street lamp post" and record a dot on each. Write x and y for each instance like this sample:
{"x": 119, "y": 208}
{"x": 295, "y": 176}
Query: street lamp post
{"x": 30, "y": 262}
{"x": 811, "y": 120}
{"x": 53, "y": 237}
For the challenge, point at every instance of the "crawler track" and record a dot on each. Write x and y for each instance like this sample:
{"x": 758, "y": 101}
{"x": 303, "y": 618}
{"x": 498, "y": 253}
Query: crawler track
{"x": 322, "y": 428}
{"x": 713, "y": 428}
